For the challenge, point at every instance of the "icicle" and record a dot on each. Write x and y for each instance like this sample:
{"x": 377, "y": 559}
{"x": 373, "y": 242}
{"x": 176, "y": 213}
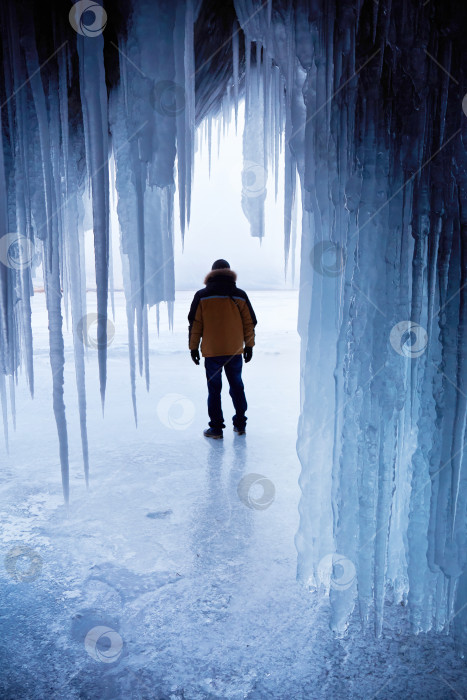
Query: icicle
{"x": 112, "y": 209}
{"x": 277, "y": 128}
{"x": 235, "y": 60}
{"x": 209, "y": 142}
{"x": 266, "y": 85}
{"x": 51, "y": 261}
{"x": 12, "y": 400}
{"x": 258, "y": 72}
{"x": 57, "y": 357}
{"x": 190, "y": 101}
{"x": 247, "y": 73}
{"x": 76, "y": 262}
{"x": 23, "y": 214}
{"x": 294, "y": 236}
{"x": 146, "y": 347}
{"x": 131, "y": 350}
{"x": 183, "y": 156}
{"x": 3, "y": 399}
{"x": 170, "y": 313}
{"x": 139, "y": 337}
{"x": 254, "y": 174}
{"x": 94, "y": 99}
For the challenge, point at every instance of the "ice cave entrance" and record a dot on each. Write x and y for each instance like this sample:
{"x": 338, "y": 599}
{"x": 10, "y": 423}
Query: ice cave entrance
{"x": 163, "y": 501}
{"x": 175, "y": 575}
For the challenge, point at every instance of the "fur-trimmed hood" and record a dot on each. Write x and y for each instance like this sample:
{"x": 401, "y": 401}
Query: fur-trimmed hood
{"x": 223, "y": 272}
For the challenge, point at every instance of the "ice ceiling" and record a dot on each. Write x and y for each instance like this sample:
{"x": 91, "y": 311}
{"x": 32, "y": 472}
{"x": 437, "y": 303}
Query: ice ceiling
{"x": 367, "y": 98}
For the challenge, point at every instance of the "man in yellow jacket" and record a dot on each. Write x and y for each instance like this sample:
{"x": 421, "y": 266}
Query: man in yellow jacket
{"x": 222, "y": 317}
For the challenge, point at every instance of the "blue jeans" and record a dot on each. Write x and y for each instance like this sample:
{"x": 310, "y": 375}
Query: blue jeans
{"x": 232, "y": 365}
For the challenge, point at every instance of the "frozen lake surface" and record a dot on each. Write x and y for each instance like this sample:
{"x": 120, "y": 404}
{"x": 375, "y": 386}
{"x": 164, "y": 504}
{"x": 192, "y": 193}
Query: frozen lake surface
{"x": 163, "y": 581}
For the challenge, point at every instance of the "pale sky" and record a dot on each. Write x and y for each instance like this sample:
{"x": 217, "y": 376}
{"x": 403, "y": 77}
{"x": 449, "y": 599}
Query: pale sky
{"x": 218, "y": 227}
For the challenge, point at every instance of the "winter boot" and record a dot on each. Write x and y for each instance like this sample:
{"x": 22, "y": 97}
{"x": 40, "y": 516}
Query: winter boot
{"x": 214, "y": 434}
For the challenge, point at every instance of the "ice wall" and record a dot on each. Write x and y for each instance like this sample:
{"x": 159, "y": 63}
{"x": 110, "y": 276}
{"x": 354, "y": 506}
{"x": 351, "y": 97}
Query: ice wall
{"x": 376, "y": 129}
{"x": 368, "y": 101}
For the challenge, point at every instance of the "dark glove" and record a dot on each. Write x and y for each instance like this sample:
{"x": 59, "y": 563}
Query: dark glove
{"x": 195, "y": 356}
{"x": 248, "y": 353}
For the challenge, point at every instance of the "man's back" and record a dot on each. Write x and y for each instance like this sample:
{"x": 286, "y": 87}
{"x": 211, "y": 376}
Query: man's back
{"x": 221, "y": 314}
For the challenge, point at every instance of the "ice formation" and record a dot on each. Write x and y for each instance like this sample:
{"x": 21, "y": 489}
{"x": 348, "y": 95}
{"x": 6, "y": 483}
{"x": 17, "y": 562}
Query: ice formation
{"x": 366, "y": 98}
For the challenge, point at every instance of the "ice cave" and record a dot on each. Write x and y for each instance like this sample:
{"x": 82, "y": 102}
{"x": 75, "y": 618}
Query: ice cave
{"x": 320, "y": 147}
